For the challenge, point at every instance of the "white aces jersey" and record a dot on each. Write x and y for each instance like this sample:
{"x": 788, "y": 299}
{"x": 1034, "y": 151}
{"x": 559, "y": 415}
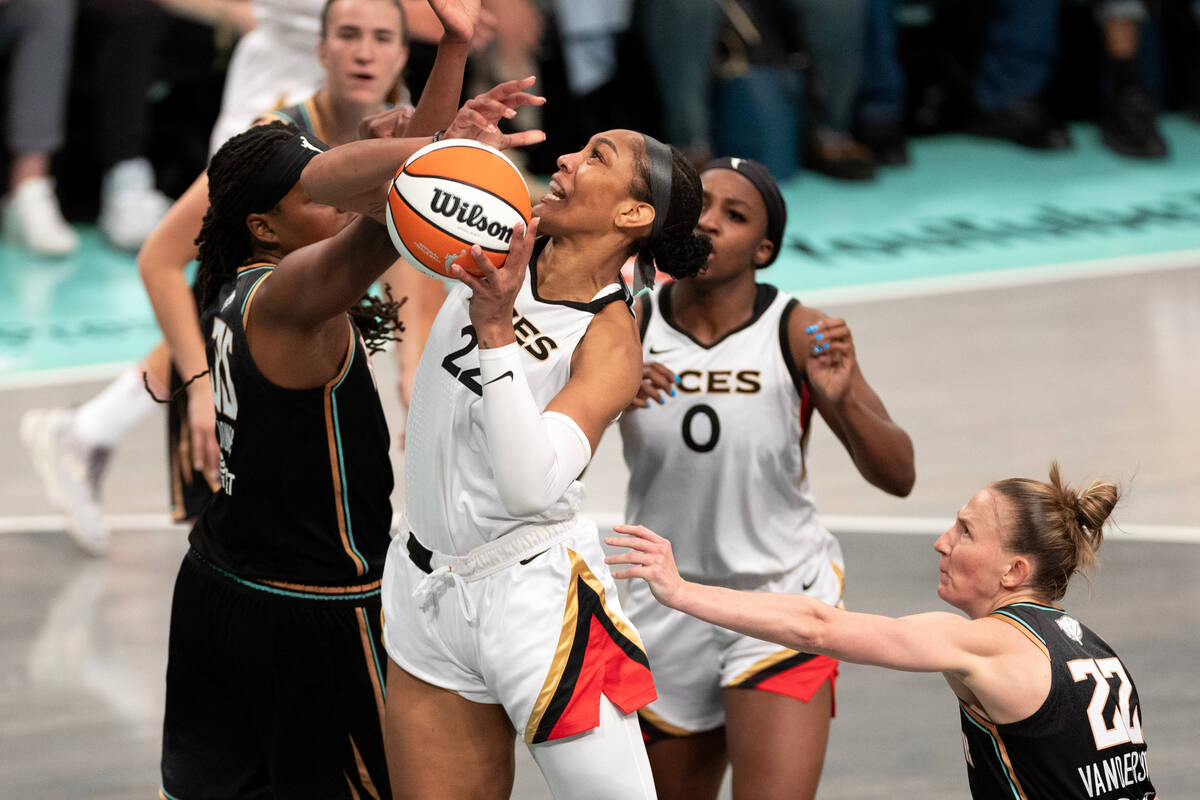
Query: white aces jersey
{"x": 719, "y": 468}
{"x": 451, "y": 502}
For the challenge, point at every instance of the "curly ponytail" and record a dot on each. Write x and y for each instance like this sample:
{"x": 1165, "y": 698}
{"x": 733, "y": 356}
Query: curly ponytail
{"x": 677, "y": 249}
{"x": 1060, "y": 527}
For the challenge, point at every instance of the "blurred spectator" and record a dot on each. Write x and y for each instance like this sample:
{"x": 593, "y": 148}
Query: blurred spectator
{"x": 881, "y": 97}
{"x": 272, "y": 65}
{"x": 833, "y": 31}
{"x": 1015, "y": 67}
{"x": 36, "y": 35}
{"x": 1015, "y": 64}
{"x": 594, "y": 70}
{"x": 770, "y": 50}
{"x": 1127, "y": 119}
{"x": 116, "y": 65}
{"x": 680, "y": 38}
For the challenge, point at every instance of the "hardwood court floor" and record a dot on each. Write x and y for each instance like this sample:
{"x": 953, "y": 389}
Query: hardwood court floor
{"x": 1103, "y": 374}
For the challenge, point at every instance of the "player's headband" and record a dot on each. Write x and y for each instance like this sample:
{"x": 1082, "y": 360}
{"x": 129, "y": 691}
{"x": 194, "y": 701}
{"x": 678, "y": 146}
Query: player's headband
{"x": 760, "y": 177}
{"x": 282, "y": 171}
{"x": 661, "y": 167}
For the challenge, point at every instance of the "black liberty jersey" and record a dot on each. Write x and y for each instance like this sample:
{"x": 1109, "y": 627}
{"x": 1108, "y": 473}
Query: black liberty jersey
{"x": 1085, "y": 741}
{"x": 304, "y": 116}
{"x": 305, "y": 474}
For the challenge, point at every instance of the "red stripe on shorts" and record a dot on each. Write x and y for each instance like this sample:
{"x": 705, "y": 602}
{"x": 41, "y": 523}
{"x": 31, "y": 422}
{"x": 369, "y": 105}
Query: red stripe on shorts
{"x": 798, "y": 676}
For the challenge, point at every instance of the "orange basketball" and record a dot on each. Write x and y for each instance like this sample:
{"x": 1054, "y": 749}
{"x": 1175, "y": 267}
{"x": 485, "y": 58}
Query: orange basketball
{"x": 450, "y": 195}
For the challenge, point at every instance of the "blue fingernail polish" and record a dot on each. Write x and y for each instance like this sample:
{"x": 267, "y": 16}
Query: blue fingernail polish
{"x": 660, "y": 400}
{"x": 672, "y": 391}
{"x": 679, "y": 380}
{"x": 813, "y": 328}
{"x": 819, "y": 336}
{"x": 823, "y": 348}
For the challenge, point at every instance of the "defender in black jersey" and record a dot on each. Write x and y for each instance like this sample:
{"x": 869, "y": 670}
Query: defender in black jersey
{"x": 1048, "y": 709}
{"x": 363, "y": 47}
{"x": 273, "y": 678}
{"x": 274, "y": 685}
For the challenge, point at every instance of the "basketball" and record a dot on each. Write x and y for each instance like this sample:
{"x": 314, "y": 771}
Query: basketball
{"x": 450, "y": 195}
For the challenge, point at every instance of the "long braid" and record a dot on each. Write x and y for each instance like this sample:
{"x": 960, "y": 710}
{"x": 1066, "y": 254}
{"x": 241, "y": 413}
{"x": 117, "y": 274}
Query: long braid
{"x": 378, "y": 319}
{"x": 224, "y": 240}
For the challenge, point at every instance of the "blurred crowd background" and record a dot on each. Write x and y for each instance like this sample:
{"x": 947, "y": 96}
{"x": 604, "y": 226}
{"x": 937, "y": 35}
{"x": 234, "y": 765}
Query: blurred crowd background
{"x": 108, "y": 104}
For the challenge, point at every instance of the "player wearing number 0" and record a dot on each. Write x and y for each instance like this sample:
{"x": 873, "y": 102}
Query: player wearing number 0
{"x": 1048, "y": 710}
{"x": 716, "y": 446}
{"x": 274, "y": 679}
{"x": 500, "y": 616}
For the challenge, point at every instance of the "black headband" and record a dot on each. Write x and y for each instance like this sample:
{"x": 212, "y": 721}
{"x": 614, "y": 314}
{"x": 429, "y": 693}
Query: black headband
{"x": 760, "y": 177}
{"x": 661, "y": 167}
{"x": 282, "y": 171}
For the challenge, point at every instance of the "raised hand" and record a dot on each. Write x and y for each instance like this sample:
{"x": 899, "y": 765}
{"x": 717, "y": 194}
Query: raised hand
{"x": 831, "y": 358}
{"x": 479, "y": 117}
{"x": 656, "y": 380}
{"x": 494, "y": 289}
{"x": 458, "y": 17}
{"x": 651, "y": 559}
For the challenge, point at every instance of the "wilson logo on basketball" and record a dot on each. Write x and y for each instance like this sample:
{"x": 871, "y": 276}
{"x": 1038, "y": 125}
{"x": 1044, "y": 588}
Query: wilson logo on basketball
{"x": 449, "y": 196}
{"x": 470, "y": 214}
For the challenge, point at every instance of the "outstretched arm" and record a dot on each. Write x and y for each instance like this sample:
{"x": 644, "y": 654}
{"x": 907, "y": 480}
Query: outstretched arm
{"x": 355, "y": 176}
{"x": 935, "y": 642}
{"x": 823, "y": 349}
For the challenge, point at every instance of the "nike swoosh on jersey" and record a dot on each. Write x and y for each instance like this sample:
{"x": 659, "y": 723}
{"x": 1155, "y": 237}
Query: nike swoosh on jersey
{"x": 508, "y": 374}
{"x": 654, "y": 352}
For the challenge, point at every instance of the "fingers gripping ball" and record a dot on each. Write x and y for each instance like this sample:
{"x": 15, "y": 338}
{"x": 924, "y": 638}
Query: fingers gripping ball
{"x": 450, "y": 195}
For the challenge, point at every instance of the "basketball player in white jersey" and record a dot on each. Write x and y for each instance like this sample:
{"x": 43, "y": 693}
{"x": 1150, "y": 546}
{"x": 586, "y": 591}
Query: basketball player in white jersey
{"x": 716, "y": 449}
{"x": 500, "y": 616}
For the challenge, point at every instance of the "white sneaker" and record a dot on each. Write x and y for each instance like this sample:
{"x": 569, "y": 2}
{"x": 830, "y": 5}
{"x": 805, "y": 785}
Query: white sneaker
{"x": 71, "y": 474}
{"x": 33, "y": 219}
{"x": 130, "y": 206}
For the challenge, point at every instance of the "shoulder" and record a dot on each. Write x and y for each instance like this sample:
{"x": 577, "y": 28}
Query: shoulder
{"x": 279, "y": 115}
{"x": 611, "y": 342}
{"x": 616, "y": 327}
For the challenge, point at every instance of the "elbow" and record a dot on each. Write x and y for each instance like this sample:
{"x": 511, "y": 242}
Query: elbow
{"x": 518, "y": 503}
{"x": 805, "y": 629}
{"x": 902, "y": 484}
{"x": 314, "y": 181}
{"x": 145, "y": 264}
{"x": 900, "y": 472}
{"x": 519, "y": 507}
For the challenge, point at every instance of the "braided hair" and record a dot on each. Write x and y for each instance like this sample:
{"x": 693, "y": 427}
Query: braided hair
{"x": 226, "y": 243}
